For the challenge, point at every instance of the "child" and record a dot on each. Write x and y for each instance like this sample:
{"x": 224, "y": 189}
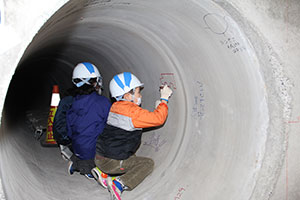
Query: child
{"x": 86, "y": 117}
{"x": 121, "y": 138}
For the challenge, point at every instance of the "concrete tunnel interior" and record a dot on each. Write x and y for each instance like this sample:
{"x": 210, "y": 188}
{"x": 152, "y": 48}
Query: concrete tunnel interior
{"x": 200, "y": 51}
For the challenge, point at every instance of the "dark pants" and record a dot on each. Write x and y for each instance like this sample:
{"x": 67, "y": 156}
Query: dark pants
{"x": 131, "y": 171}
{"x": 82, "y": 166}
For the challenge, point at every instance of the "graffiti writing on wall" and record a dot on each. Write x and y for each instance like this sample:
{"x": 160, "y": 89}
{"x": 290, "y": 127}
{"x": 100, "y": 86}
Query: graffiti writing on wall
{"x": 168, "y": 79}
{"x": 199, "y": 101}
{"x": 179, "y": 194}
{"x": 216, "y": 23}
{"x": 155, "y": 142}
{"x": 295, "y": 121}
{"x": 232, "y": 44}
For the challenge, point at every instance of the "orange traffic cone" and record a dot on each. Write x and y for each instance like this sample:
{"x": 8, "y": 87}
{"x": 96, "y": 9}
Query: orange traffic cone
{"x": 49, "y": 140}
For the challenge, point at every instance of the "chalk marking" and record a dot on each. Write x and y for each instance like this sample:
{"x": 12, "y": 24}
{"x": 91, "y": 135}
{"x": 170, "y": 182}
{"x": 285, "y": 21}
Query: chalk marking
{"x": 179, "y": 194}
{"x": 233, "y": 44}
{"x": 155, "y": 142}
{"x": 198, "y": 109}
{"x": 216, "y": 23}
{"x": 168, "y": 79}
{"x": 294, "y": 122}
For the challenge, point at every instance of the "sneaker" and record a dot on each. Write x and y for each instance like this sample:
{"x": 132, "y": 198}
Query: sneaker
{"x": 100, "y": 177}
{"x": 115, "y": 189}
{"x": 70, "y": 168}
{"x": 89, "y": 176}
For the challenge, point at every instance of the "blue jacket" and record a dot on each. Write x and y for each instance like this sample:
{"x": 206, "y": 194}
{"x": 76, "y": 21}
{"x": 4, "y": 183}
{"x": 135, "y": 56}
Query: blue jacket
{"x": 86, "y": 119}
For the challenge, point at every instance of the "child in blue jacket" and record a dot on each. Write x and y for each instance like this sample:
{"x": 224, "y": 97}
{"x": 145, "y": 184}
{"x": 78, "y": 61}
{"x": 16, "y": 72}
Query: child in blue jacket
{"x": 86, "y": 117}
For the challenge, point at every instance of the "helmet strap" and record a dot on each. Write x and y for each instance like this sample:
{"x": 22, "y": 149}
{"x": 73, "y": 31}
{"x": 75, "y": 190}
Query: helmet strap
{"x": 132, "y": 95}
{"x": 99, "y": 81}
{"x": 121, "y": 98}
{"x": 132, "y": 98}
{"x": 82, "y": 82}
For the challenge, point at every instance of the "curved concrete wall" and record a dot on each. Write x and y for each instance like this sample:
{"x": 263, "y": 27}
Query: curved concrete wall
{"x": 230, "y": 130}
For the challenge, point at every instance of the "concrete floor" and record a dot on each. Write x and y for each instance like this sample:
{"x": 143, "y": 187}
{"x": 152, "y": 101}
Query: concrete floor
{"x": 232, "y": 130}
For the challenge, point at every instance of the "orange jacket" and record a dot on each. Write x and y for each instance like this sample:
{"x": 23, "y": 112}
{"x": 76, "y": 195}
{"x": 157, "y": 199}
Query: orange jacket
{"x": 141, "y": 118}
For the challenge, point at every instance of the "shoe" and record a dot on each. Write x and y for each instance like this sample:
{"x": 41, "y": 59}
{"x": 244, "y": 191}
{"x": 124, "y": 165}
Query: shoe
{"x": 89, "y": 176}
{"x": 70, "y": 168}
{"x": 100, "y": 177}
{"x": 65, "y": 152}
{"x": 115, "y": 189}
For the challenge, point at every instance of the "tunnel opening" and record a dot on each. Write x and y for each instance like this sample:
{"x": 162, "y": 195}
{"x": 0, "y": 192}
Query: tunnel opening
{"x": 198, "y": 50}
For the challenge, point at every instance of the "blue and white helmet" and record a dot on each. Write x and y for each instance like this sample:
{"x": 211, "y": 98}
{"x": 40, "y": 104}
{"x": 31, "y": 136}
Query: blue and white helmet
{"x": 123, "y": 83}
{"x": 85, "y": 71}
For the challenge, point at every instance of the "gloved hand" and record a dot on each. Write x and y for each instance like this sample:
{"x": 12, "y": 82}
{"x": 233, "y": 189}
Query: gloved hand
{"x": 165, "y": 93}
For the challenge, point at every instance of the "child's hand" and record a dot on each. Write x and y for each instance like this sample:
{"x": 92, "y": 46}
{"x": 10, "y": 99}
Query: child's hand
{"x": 165, "y": 93}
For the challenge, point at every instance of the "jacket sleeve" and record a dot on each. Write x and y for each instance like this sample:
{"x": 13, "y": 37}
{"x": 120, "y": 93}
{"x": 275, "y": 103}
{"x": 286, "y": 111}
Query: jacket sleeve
{"x": 142, "y": 118}
{"x": 60, "y": 124}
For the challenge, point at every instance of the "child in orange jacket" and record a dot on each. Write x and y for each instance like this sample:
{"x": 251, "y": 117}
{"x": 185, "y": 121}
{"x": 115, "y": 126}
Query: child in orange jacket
{"x": 121, "y": 138}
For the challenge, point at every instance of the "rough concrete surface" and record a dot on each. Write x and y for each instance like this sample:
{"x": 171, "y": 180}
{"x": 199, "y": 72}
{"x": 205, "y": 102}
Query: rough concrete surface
{"x": 233, "y": 124}
{"x": 2, "y": 197}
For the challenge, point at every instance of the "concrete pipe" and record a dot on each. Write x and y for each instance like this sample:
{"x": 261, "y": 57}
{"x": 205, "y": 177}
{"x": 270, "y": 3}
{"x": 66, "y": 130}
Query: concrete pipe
{"x": 225, "y": 137}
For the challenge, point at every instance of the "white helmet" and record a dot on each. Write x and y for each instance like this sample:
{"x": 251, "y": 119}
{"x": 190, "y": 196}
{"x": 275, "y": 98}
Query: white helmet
{"x": 85, "y": 71}
{"x": 123, "y": 83}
